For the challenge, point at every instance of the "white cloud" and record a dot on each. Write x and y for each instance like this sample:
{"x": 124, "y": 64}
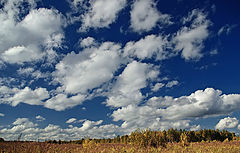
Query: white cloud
{"x": 1, "y": 114}
{"x": 202, "y": 103}
{"x": 126, "y": 90}
{"x": 88, "y": 42}
{"x": 145, "y": 16}
{"x": 61, "y": 101}
{"x": 157, "y": 86}
{"x": 145, "y": 117}
{"x": 71, "y": 120}
{"x": 28, "y": 96}
{"x": 40, "y": 118}
{"x": 89, "y": 124}
{"x": 172, "y": 83}
{"x": 102, "y": 13}
{"x": 227, "y": 122}
{"x": 189, "y": 40}
{"x": 151, "y": 46}
{"x": 166, "y": 112}
{"x": 31, "y": 131}
{"x": 195, "y": 128}
{"x": 21, "y": 125}
{"x": 226, "y": 29}
{"x": 80, "y": 73}
{"x": 20, "y": 54}
{"x": 14, "y": 96}
{"x": 76, "y": 3}
{"x": 30, "y": 71}
{"x": 25, "y": 71}
{"x": 26, "y": 39}
{"x": 214, "y": 52}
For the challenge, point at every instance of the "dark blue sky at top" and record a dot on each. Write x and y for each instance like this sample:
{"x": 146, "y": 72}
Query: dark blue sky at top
{"x": 219, "y": 71}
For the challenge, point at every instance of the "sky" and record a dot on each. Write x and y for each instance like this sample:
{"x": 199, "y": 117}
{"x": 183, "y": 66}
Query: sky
{"x": 101, "y": 68}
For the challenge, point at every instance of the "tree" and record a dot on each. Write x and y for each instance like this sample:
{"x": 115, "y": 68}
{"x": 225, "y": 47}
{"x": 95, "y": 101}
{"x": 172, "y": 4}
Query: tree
{"x": 185, "y": 139}
{"x": 1, "y": 140}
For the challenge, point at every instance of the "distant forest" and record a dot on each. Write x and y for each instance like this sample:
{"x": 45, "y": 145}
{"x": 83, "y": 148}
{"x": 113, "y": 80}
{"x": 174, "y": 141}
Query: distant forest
{"x": 149, "y": 138}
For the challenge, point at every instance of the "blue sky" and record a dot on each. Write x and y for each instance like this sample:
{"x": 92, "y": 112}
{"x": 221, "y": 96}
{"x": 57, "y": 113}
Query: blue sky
{"x": 103, "y": 68}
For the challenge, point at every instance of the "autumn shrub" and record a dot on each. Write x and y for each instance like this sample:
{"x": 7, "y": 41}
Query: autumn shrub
{"x": 147, "y": 138}
{"x": 184, "y": 139}
{"x": 88, "y": 143}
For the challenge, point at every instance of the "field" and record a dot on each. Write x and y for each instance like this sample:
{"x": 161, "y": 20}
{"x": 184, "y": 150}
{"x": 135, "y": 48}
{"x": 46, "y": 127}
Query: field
{"x": 42, "y": 147}
{"x": 172, "y": 140}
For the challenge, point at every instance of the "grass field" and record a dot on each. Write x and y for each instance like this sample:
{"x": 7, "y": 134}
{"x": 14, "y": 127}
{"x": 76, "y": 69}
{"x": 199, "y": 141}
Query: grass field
{"x": 43, "y": 147}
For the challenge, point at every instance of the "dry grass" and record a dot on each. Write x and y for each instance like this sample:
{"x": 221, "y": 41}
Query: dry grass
{"x": 42, "y": 147}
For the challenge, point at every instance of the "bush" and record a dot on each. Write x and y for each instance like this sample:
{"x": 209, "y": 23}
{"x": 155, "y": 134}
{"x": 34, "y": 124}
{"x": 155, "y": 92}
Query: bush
{"x": 147, "y": 138}
{"x": 1, "y": 140}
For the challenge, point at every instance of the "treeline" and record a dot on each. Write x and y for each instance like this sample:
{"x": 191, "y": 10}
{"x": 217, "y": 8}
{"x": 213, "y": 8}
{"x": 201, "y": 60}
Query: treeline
{"x": 145, "y": 138}
{"x": 160, "y": 138}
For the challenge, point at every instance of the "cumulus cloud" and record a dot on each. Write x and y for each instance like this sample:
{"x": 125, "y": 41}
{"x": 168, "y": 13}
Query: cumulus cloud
{"x": 172, "y": 83}
{"x": 158, "y": 113}
{"x": 1, "y": 114}
{"x": 145, "y": 117}
{"x": 190, "y": 39}
{"x": 89, "y": 124}
{"x": 157, "y": 86}
{"x": 88, "y": 42}
{"x": 126, "y": 90}
{"x": 71, "y": 120}
{"x": 89, "y": 69}
{"x": 227, "y": 122}
{"x": 40, "y": 118}
{"x": 61, "y": 101}
{"x": 30, "y": 37}
{"x": 152, "y": 46}
{"x": 14, "y": 96}
{"x": 202, "y": 103}
{"x": 162, "y": 112}
{"x": 145, "y": 16}
{"x": 31, "y": 131}
{"x": 21, "y": 125}
{"x": 30, "y": 71}
{"x": 101, "y": 13}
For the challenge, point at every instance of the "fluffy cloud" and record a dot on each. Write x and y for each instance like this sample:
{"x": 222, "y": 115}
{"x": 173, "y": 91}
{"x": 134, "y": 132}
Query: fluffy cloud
{"x": 158, "y": 113}
{"x": 148, "y": 47}
{"x": 89, "y": 124}
{"x": 102, "y": 13}
{"x": 202, "y": 103}
{"x": 88, "y": 42}
{"x": 145, "y": 117}
{"x": 89, "y": 69}
{"x": 126, "y": 90}
{"x": 157, "y": 86}
{"x": 30, "y": 37}
{"x": 71, "y": 120}
{"x": 14, "y": 96}
{"x": 166, "y": 112}
{"x": 145, "y": 16}
{"x": 172, "y": 83}
{"x": 61, "y": 101}
{"x": 1, "y": 114}
{"x": 30, "y": 71}
{"x": 189, "y": 40}
{"x": 32, "y": 131}
{"x": 21, "y": 125}
{"x": 227, "y": 122}
{"x": 40, "y": 118}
